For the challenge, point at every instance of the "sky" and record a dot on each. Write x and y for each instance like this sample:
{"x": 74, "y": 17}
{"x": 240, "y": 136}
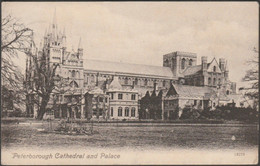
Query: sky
{"x": 142, "y": 32}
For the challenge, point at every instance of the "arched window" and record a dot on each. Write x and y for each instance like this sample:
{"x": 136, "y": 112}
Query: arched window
{"x": 214, "y": 68}
{"x": 214, "y": 81}
{"x": 182, "y": 63}
{"x": 190, "y": 62}
{"x": 119, "y": 111}
{"x": 133, "y": 111}
{"x": 209, "y": 81}
{"x": 126, "y": 111}
{"x": 166, "y": 62}
{"x": 73, "y": 73}
{"x": 227, "y": 92}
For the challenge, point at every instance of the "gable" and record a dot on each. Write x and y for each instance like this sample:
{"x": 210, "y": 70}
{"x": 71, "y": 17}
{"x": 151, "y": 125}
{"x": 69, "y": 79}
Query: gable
{"x": 171, "y": 91}
{"x": 213, "y": 64}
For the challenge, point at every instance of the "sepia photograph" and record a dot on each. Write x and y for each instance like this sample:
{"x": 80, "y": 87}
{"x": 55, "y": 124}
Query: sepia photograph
{"x": 129, "y": 83}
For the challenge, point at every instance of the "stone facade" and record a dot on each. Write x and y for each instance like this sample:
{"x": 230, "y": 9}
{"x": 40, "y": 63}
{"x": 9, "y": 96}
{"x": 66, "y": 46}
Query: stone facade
{"x": 84, "y": 75}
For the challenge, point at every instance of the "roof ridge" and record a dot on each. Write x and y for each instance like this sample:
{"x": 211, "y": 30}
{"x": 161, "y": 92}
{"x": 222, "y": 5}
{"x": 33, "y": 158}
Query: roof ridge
{"x": 126, "y": 63}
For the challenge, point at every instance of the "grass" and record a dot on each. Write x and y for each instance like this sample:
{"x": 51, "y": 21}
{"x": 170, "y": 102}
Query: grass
{"x": 141, "y": 137}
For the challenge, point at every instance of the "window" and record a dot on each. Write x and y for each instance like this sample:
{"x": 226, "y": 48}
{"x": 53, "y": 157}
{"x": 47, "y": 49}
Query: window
{"x": 190, "y": 62}
{"x": 112, "y": 112}
{"x": 214, "y": 68}
{"x": 119, "y": 111}
{"x": 120, "y": 96}
{"x": 126, "y": 111}
{"x": 126, "y": 81}
{"x": 133, "y": 97}
{"x": 136, "y": 81}
{"x": 101, "y": 99}
{"x": 214, "y": 81}
{"x": 112, "y": 96}
{"x": 73, "y": 73}
{"x": 183, "y": 63}
{"x": 195, "y": 102}
{"x": 145, "y": 82}
{"x": 209, "y": 81}
{"x": 163, "y": 83}
{"x": 227, "y": 92}
{"x": 133, "y": 111}
{"x": 219, "y": 81}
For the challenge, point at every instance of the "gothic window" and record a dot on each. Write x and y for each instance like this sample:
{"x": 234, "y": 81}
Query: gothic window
{"x": 166, "y": 62}
{"x": 190, "y": 62}
{"x": 182, "y": 63}
{"x": 126, "y": 111}
{"x": 119, "y": 111}
{"x": 163, "y": 83}
{"x": 227, "y": 92}
{"x": 209, "y": 81}
{"x": 133, "y": 111}
{"x": 136, "y": 81}
{"x": 214, "y": 68}
{"x": 73, "y": 73}
{"x": 145, "y": 82}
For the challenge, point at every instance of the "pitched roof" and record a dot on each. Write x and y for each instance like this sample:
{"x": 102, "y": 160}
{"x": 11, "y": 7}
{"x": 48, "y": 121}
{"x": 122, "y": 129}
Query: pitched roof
{"x": 193, "y": 91}
{"x": 192, "y": 70}
{"x": 115, "y": 85}
{"x": 117, "y": 67}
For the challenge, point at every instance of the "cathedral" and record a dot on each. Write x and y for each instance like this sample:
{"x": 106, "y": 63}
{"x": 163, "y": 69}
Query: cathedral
{"x": 92, "y": 76}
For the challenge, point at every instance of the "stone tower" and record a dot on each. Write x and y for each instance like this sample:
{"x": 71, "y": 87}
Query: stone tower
{"x": 179, "y": 61}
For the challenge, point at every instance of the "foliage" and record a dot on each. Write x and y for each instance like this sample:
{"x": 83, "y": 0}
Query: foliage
{"x": 221, "y": 113}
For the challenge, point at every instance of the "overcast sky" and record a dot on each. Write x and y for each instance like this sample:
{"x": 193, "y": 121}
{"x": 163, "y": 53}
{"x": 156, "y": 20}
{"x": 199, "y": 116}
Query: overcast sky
{"x": 141, "y": 32}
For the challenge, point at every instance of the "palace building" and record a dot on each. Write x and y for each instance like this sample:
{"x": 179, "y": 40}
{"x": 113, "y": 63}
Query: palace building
{"x": 124, "y": 84}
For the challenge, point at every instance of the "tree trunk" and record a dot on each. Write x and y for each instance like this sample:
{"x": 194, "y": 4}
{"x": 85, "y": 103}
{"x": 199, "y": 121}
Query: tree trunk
{"x": 42, "y": 109}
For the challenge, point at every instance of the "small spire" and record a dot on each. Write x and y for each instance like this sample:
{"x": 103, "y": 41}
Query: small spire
{"x": 80, "y": 47}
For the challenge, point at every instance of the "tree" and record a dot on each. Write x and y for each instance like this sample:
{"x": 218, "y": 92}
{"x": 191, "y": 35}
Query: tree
{"x": 252, "y": 78}
{"x": 16, "y": 38}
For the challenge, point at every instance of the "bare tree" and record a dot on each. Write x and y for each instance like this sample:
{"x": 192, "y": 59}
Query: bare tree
{"x": 16, "y": 37}
{"x": 252, "y": 78}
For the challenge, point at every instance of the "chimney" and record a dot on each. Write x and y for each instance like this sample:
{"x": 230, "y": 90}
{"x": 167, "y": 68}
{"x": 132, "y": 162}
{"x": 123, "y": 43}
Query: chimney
{"x": 204, "y": 63}
{"x": 97, "y": 79}
{"x": 222, "y": 64}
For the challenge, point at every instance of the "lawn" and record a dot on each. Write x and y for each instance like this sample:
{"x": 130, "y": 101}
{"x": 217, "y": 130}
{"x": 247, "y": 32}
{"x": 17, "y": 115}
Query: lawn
{"x": 26, "y": 134}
